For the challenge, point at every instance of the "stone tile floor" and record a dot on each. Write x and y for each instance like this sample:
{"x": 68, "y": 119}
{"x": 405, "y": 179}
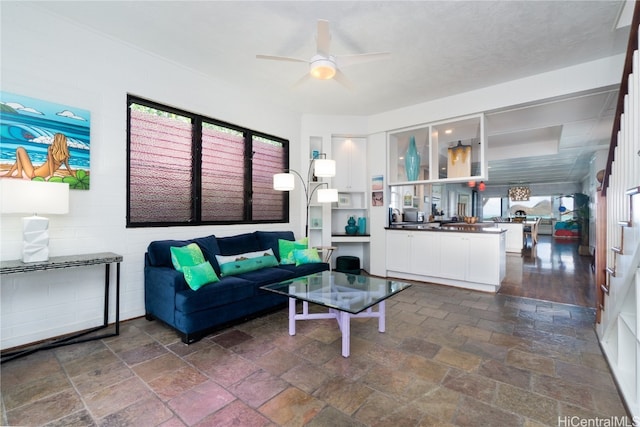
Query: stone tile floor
{"x": 450, "y": 357}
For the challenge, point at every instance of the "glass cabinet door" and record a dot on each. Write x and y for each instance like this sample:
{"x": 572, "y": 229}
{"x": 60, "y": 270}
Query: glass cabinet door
{"x": 458, "y": 148}
{"x": 400, "y": 146}
{"x": 446, "y": 151}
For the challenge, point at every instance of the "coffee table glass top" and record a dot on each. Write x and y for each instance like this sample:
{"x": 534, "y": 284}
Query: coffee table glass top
{"x": 345, "y": 292}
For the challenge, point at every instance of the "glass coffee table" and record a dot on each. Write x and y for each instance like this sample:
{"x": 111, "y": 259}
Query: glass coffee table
{"x": 346, "y": 296}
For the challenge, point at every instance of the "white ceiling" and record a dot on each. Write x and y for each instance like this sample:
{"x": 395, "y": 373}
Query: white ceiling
{"x": 438, "y": 48}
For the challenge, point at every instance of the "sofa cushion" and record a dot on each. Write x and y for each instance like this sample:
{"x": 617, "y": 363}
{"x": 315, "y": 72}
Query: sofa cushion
{"x": 200, "y": 275}
{"x": 269, "y": 239}
{"x": 247, "y": 242}
{"x": 160, "y": 252}
{"x": 305, "y": 269}
{"x": 267, "y": 276}
{"x": 210, "y": 249}
{"x": 287, "y": 247}
{"x": 228, "y": 290}
{"x": 186, "y": 256}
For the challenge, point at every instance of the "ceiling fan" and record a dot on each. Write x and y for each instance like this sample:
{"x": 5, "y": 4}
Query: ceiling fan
{"x": 325, "y": 66}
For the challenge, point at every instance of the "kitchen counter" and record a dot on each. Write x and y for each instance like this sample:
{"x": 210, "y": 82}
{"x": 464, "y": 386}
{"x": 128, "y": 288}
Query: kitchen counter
{"x": 470, "y": 256}
{"x": 483, "y": 227}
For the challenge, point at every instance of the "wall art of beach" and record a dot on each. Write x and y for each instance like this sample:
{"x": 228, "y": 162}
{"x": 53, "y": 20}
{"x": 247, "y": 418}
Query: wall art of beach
{"x": 32, "y": 123}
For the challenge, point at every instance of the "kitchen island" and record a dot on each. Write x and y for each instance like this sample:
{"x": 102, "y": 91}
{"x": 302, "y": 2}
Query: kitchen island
{"x": 470, "y": 256}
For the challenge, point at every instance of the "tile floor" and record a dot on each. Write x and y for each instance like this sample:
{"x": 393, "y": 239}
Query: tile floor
{"x": 450, "y": 357}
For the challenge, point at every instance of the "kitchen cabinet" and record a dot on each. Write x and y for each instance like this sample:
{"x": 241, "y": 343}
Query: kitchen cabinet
{"x": 398, "y": 249}
{"x": 350, "y": 155}
{"x": 413, "y": 252}
{"x": 514, "y": 236}
{"x": 470, "y": 257}
{"x": 473, "y": 260}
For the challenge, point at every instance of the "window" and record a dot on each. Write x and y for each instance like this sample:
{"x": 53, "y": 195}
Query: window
{"x": 491, "y": 207}
{"x": 186, "y": 169}
{"x": 536, "y": 206}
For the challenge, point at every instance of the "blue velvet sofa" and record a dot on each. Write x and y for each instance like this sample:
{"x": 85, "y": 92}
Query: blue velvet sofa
{"x": 235, "y": 298}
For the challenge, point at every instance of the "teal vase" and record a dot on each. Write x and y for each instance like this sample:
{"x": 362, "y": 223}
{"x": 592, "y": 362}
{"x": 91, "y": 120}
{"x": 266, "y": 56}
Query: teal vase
{"x": 362, "y": 225}
{"x": 412, "y": 160}
{"x": 351, "y": 227}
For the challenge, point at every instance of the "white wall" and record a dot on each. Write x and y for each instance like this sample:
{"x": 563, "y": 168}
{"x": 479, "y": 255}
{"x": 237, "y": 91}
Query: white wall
{"x": 48, "y": 58}
{"x": 583, "y": 77}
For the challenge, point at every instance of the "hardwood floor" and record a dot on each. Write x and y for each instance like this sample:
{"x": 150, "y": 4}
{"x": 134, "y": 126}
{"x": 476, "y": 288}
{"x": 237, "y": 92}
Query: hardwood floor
{"x": 552, "y": 271}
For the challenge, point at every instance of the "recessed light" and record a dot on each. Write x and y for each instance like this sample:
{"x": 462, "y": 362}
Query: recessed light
{"x": 448, "y": 131}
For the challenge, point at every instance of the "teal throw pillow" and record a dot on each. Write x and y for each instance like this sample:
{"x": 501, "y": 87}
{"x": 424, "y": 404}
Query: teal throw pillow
{"x": 199, "y": 275}
{"x": 286, "y": 248}
{"x": 306, "y": 256}
{"x": 186, "y": 256}
{"x": 248, "y": 264}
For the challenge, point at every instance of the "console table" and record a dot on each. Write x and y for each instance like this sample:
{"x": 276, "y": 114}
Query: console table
{"x": 61, "y": 262}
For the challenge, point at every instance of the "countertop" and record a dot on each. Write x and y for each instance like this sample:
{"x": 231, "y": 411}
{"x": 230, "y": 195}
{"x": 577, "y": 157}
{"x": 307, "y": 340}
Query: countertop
{"x": 483, "y": 227}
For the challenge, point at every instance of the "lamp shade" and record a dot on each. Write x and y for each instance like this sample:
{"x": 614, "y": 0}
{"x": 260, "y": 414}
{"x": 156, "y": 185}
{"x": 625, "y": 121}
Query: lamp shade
{"x": 327, "y": 195}
{"x": 324, "y": 168}
{"x": 33, "y": 197}
{"x": 284, "y": 181}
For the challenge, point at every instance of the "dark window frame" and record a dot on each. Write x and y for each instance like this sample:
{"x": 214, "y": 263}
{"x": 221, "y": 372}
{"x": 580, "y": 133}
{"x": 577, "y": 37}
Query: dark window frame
{"x": 197, "y": 121}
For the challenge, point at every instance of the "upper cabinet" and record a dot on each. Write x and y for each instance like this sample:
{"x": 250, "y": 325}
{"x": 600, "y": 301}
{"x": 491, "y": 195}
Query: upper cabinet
{"x": 448, "y": 151}
{"x": 350, "y": 154}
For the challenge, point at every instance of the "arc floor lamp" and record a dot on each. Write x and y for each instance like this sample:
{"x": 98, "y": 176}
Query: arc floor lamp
{"x": 322, "y": 168}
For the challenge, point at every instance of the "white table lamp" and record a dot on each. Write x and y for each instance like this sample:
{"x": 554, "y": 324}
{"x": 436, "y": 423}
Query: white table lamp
{"x": 36, "y": 197}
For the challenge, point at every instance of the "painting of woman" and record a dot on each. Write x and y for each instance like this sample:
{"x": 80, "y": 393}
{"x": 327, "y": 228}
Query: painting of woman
{"x": 57, "y": 155}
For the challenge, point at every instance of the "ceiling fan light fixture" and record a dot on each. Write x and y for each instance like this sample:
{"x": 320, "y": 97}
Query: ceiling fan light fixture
{"x": 322, "y": 68}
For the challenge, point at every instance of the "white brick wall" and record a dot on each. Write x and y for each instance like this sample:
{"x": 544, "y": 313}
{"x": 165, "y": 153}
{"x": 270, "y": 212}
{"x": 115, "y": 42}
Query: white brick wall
{"x": 47, "y": 58}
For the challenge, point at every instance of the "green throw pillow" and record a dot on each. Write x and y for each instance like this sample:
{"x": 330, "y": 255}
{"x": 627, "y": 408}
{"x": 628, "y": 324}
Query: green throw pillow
{"x": 306, "y": 256}
{"x": 186, "y": 256}
{"x": 286, "y": 248}
{"x": 248, "y": 264}
{"x": 199, "y": 275}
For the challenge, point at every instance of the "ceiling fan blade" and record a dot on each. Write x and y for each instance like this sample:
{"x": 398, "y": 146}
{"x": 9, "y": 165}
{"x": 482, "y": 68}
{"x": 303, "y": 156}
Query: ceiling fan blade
{"x": 347, "y": 60}
{"x": 323, "y": 37}
{"x": 343, "y": 80}
{"x": 302, "y": 80}
{"x": 281, "y": 58}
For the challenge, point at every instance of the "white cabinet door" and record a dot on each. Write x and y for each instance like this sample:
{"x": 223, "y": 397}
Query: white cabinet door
{"x": 425, "y": 254}
{"x": 483, "y": 261}
{"x": 350, "y": 155}
{"x": 453, "y": 256}
{"x": 398, "y": 249}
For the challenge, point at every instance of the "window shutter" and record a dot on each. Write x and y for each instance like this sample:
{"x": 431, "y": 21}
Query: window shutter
{"x": 222, "y": 174}
{"x": 160, "y": 169}
{"x": 268, "y": 159}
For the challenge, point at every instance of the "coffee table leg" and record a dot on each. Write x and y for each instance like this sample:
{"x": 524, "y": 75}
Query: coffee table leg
{"x": 292, "y": 316}
{"x": 381, "y": 318}
{"x": 345, "y": 326}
